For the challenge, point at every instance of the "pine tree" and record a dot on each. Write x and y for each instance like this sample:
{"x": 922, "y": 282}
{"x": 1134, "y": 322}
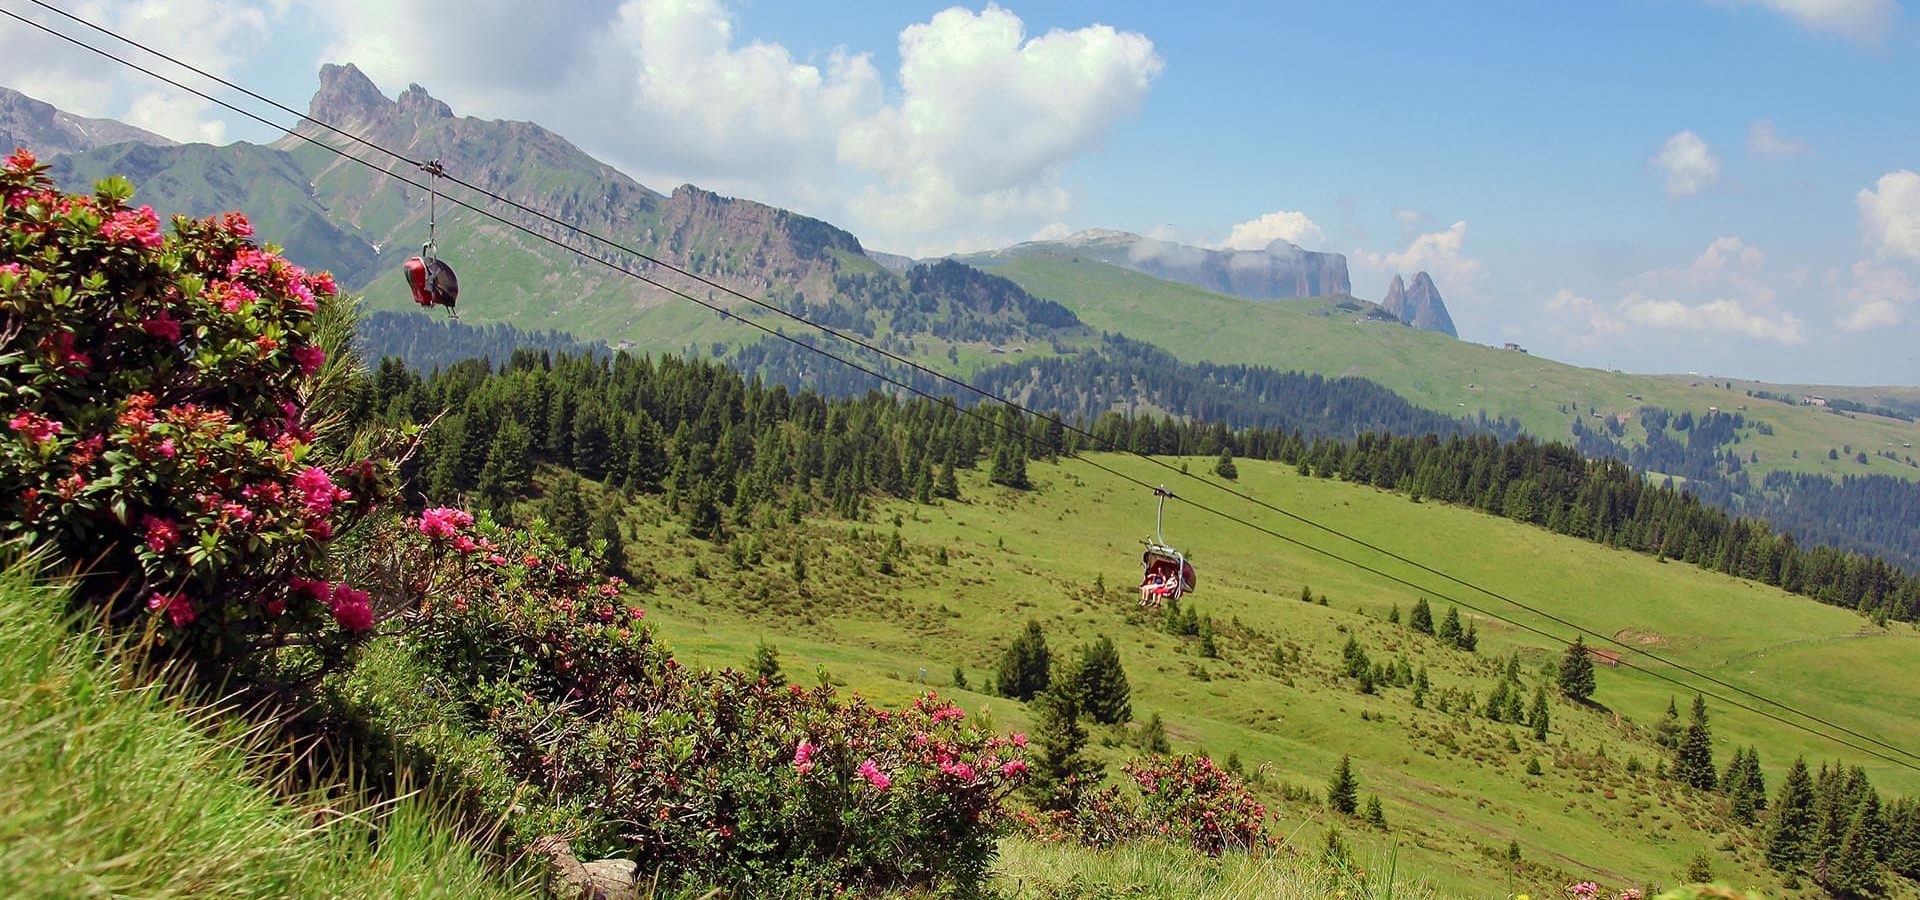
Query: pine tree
{"x": 1449, "y": 630}
{"x": 565, "y": 509}
{"x": 1393, "y": 615}
{"x": 614, "y": 553}
{"x": 1470, "y": 641}
{"x": 959, "y": 678}
{"x": 1062, "y": 768}
{"x": 947, "y": 486}
{"x": 1421, "y": 619}
{"x": 1790, "y": 823}
{"x": 1343, "y": 789}
{"x": 1306, "y": 594}
{"x": 1666, "y": 732}
{"x": 1539, "y": 716}
{"x": 1693, "y": 763}
{"x": 1208, "y": 648}
{"x": 1224, "y": 466}
{"x": 1026, "y": 667}
{"x": 766, "y": 664}
{"x": 1375, "y": 817}
{"x": 1354, "y": 659}
{"x": 1576, "y": 671}
{"x": 1533, "y": 766}
{"x": 1102, "y": 684}
{"x": 1153, "y": 738}
{"x": 1854, "y": 870}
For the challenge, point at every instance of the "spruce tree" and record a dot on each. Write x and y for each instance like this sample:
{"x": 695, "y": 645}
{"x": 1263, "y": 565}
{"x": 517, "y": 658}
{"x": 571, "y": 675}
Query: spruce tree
{"x": 1576, "y": 671}
{"x": 1224, "y": 466}
{"x": 1208, "y": 648}
{"x": 1354, "y": 659}
{"x": 1854, "y": 871}
{"x": 1102, "y": 684}
{"x": 1666, "y": 732}
{"x": 1343, "y": 789}
{"x": 1306, "y": 594}
{"x": 1393, "y": 615}
{"x": 1421, "y": 619}
{"x": 1376, "y": 817}
{"x": 1470, "y": 640}
{"x": 1026, "y": 667}
{"x": 959, "y": 678}
{"x": 1062, "y": 768}
{"x": 1790, "y": 822}
{"x": 947, "y": 486}
{"x": 1538, "y": 718}
{"x": 614, "y": 554}
{"x": 1449, "y": 630}
{"x": 1693, "y": 763}
{"x": 766, "y": 663}
{"x": 1153, "y": 738}
{"x": 565, "y": 509}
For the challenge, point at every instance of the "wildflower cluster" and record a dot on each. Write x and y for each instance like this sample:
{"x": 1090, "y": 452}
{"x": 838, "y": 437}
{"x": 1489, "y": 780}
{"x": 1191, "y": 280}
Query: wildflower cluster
{"x": 700, "y": 774}
{"x": 1184, "y": 800}
{"x": 156, "y": 391}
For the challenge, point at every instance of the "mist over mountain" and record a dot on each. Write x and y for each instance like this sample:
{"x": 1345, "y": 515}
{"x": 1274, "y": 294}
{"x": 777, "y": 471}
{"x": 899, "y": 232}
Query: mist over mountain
{"x": 1280, "y": 271}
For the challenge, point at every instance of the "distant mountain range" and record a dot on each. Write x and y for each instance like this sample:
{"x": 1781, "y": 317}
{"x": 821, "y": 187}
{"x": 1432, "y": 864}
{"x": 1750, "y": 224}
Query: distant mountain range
{"x": 26, "y": 122}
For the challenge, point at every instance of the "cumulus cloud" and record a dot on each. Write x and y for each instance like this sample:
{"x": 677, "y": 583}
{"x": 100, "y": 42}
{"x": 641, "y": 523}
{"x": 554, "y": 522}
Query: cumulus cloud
{"x": 1861, "y": 21}
{"x": 1890, "y": 214}
{"x": 1688, "y": 164}
{"x": 1052, "y": 231}
{"x": 1878, "y": 297}
{"x": 1280, "y": 225}
{"x": 1764, "y": 140}
{"x": 1441, "y": 254}
{"x": 215, "y": 35}
{"x": 1725, "y": 290}
{"x": 972, "y": 133}
{"x": 988, "y": 117}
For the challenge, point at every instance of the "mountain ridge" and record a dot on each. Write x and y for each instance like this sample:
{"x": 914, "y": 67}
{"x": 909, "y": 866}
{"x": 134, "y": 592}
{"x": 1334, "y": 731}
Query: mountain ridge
{"x": 1279, "y": 271}
{"x": 51, "y": 131}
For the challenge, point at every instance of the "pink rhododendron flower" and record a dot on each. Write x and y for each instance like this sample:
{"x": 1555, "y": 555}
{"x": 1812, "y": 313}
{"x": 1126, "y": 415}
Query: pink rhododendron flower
{"x": 250, "y": 259}
{"x": 35, "y": 427}
{"x": 803, "y": 757}
{"x": 1013, "y": 767}
{"x": 178, "y": 608}
{"x": 140, "y": 227}
{"x": 237, "y": 224}
{"x": 318, "y": 491}
{"x": 309, "y": 358}
{"x": 948, "y": 712}
{"x": 21, "y": 160}
{"x": 871, "y": 772}
{"x": 162, "y": 326}
{"x": 322, "y": 284}
{"x": 464, "y": 544}
{"x": 166, "y": 448}
{"x": 443, "y": 521}
{"x": 962, "y": 771}
{"x": 351, "y": 608}
{"x": 162, "y": 534}
{"x": 1584, "y": 889}
{"x": 1018, "y": 739}
{"x": 14, "y": 269}
{"x": 496, "y": 559}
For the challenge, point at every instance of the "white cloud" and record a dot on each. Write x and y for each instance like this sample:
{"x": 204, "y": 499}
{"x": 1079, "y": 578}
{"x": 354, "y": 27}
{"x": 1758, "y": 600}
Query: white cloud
{"x": 1862, "y": 21}
{"x": 988, "y": 118}
{"x": 1725, "y": 290}
{"x": 1280, "y": 225}
{"x": 1052, "y": 231}
{"x": 1441, "y": 254}
{"x": 1878, "y": 297}
{"x": 973, "y": 137}
{"x": 1890, "y": 214}
{"x": 1724, "y": 315}
{"x": 1764, "y": 140}
{"x": 1688, "y": 163}
{"x": 215, "y": 35}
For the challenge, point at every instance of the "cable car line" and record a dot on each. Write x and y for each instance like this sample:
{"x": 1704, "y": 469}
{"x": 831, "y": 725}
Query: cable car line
{"x": 905, "y": 386}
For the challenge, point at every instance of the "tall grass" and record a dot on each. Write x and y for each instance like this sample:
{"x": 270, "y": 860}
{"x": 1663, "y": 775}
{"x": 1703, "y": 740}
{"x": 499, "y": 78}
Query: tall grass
{"x": 110, "y": 785}
{"x": 1036, "y": 871}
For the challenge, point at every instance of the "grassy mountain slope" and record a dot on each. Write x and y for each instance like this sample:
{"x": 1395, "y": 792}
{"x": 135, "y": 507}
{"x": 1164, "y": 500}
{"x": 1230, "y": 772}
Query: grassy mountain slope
{"x": 1452, "y": 790}
{"x": 1455, "y": 377}
{"x": 110, "y": 787}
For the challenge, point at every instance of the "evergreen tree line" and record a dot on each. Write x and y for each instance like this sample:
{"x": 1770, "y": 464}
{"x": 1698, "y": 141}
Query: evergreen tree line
{"x": 425, "y": 343}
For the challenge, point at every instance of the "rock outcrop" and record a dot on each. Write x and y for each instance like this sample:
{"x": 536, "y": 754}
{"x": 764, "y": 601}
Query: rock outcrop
{"x": 49, "y": 132}
{"x": 1419, "y": 305}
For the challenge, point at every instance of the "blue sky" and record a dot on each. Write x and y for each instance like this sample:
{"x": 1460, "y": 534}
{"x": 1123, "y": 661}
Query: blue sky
{"x": 1722, "y": 186}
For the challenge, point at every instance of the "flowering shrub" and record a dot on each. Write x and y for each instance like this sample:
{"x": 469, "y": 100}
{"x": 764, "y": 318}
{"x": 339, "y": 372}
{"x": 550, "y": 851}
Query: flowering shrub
{"x": 155, "y": 389}
{"x": 1185, "y": 800}
{"x": 710, "y": 777}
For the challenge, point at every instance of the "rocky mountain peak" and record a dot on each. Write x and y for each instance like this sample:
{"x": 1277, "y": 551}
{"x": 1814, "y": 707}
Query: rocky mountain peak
{"x": 347, "y": 95}
{"x": 1419, "y": 305}
{"x": 417, "y": 100}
